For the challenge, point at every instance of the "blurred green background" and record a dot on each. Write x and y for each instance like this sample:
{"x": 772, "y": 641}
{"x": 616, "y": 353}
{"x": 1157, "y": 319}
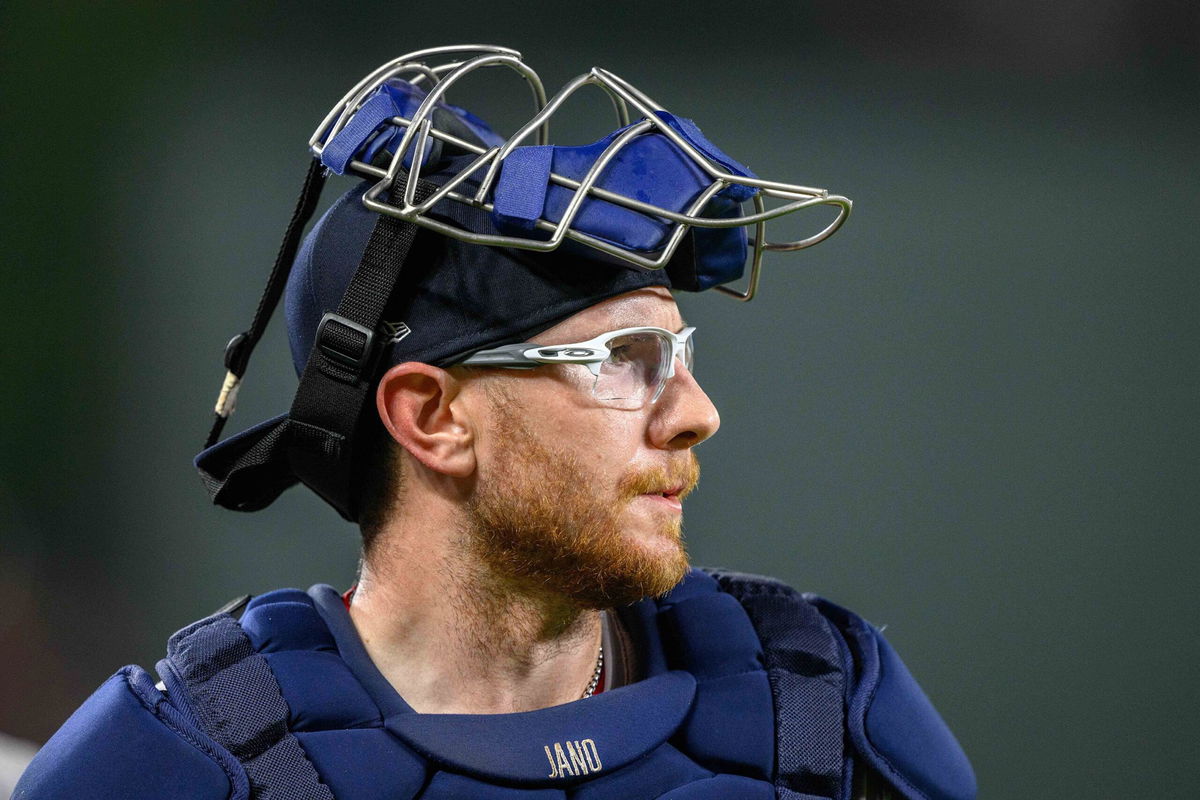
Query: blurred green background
{"x": 971, "y": 415}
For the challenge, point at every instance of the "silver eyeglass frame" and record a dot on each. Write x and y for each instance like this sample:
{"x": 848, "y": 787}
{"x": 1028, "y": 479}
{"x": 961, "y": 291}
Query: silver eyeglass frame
{"x": 591, "y": 354}
{"x": 465, "y": 59}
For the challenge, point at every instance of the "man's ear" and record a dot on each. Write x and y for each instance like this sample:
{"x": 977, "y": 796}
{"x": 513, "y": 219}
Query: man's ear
{"x": 420, "y": 406}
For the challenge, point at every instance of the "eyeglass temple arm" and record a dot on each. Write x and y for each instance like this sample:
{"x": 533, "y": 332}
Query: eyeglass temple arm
{"x": 509, "y": 355}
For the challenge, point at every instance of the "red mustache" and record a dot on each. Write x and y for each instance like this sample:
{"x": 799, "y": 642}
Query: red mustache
{"x": 679, "y": 478}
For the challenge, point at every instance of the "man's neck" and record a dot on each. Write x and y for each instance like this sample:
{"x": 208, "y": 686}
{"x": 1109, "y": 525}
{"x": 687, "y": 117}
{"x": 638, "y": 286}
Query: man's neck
{"x": 453, "y": 638}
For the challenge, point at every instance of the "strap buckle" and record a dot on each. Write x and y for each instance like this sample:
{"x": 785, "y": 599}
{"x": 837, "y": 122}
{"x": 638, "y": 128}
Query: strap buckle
{"x": 346, "y": 343}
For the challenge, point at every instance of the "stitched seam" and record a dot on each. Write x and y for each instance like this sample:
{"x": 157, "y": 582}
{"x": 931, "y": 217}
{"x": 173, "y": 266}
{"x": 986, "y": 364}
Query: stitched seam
{"x": 377, "y": 727}
{"x": 867, "y": 735}
{"x": 235, "y": 785}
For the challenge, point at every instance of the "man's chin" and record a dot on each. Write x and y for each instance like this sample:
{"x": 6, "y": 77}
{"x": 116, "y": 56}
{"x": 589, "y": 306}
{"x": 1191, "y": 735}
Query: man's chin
{"x": 644, "y": 569}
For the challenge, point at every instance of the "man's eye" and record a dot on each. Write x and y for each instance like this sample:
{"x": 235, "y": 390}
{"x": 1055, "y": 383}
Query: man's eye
{"x": 621, "y": 353}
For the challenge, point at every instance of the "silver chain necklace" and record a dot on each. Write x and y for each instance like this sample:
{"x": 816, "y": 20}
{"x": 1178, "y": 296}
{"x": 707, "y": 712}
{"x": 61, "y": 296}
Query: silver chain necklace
{"x": 591, "y": 687}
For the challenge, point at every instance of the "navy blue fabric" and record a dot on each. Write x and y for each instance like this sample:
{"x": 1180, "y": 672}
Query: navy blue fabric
{"x": 343, "y": 717}
{"x": 659, "y": 772}
{"x": 697, "y": 583}
{"x": 328, "y": 603}
{"x": 717, "y": 255}
{"x": 640, "y": 621}
{"x": 891, "y": 722}
{"x": 723, "y": 787}
{"x": 364, "y": 763}
{"x": 455, "y": 297}
{"x": 909, "y": 733}
{"x": 731, "y": 728}
{"x": 624, "y": 724}
{"x": 807, "y": 683}
{"x": 333, "y": 698}
{"x": 686, "y": 627}
{"x": 706, "y": 632}
{"x": 284, "y": 625}
{"x": 448, "y": 786}
{"x": 651, "y": 168}
{"x": 232, "y": 692}
{"x": 270, "y": 478}
{"x": 115, "y": 745}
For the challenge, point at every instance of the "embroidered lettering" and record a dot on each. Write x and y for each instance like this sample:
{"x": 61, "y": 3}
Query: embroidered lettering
{"x": 579, "y": 766}
{"x": 564, "y": 766}
{"x": 592, "y": 754}
{"x": 576, "y": 758}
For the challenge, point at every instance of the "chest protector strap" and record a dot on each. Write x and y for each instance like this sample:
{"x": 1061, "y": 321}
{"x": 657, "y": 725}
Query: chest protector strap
{"x": 804, "y": 667}
{"x": 212, "y": 672}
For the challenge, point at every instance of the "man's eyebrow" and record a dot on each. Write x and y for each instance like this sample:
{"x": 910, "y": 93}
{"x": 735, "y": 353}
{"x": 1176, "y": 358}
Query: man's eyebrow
{"x": 622, "y": 324}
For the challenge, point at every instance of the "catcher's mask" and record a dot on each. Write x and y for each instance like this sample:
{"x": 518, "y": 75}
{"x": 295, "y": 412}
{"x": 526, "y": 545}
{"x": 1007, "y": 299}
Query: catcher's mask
{"x": 460, "y": 239}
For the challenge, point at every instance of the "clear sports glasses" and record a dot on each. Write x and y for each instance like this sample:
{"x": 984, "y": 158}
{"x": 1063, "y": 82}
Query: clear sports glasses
{"x": 631, "y": 365}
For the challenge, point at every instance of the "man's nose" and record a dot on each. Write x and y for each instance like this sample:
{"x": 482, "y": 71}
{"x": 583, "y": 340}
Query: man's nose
{"x": 683, "y": 416}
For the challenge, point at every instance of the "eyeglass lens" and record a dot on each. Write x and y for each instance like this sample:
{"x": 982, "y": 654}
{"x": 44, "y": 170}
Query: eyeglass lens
{"x": 636, "y": 366}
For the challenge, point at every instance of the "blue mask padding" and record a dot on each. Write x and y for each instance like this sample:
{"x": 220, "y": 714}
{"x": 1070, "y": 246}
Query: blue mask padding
{"x": 736, "y": 192}
{"x": 364, "y": 763}
{"x": 651, "y": 169}
{"x": 398, "y": 98}
{"x": 285, "y": 625}
{"x": 332, "y": 697}
{"x": 719, "y": 254}
{"x": 113, "y": 746}
{"x": 520, "y": 196}
{"x": 662, "y": 771}
{"x": 340, "y": 151}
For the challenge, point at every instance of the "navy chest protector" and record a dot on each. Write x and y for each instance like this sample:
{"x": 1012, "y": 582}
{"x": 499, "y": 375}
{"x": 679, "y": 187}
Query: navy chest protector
{"x": 751, "y": 691}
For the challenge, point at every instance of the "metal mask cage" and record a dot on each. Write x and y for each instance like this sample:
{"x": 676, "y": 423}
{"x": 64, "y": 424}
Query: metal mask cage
{"x": 422, "y": 69}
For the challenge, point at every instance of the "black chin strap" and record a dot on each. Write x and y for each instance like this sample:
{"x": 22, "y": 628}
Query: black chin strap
{"x": 339, "y": 377}
{"x": 314, "y": 443}
{"x": 237, "y": 352}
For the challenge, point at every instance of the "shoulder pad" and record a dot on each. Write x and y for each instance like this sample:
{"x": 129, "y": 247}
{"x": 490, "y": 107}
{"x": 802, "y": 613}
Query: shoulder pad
{"x": 892, "y": 723}
{"x": 126, "y": 741}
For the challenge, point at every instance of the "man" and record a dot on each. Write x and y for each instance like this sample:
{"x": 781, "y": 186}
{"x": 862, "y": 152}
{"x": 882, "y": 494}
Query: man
{"x": 496, "y": 384}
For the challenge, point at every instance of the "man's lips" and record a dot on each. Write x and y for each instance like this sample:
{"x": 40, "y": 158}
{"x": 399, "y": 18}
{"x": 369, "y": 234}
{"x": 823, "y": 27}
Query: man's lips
{"x": 667, "y": 497}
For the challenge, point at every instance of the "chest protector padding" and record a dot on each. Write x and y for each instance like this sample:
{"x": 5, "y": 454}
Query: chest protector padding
{"x": 804, "y": 666}
{"x": 231, "y": 692}
{"x": 743, "y": 698}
